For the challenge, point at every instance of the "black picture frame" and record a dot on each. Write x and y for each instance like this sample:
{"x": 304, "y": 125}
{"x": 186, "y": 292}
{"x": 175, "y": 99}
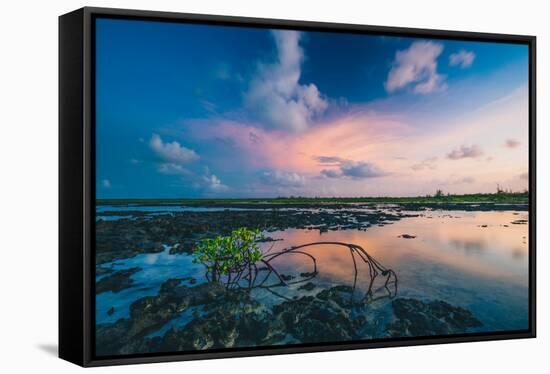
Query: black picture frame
{"x": 77, "y": 183}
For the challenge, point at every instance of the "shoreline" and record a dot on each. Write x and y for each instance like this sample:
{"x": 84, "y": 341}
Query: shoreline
{"x": 489, "y": 198}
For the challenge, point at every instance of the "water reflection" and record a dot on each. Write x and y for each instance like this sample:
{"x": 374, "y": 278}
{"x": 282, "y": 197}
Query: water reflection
{"x": 475, "y": 260}
{"x": 470, "y": 259}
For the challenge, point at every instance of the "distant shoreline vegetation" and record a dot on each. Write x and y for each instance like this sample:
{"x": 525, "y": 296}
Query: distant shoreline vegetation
{"x": 439, "y": 197}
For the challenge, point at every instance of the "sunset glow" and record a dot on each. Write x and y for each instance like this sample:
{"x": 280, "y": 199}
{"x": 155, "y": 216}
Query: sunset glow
{"x": 399, "y": 118}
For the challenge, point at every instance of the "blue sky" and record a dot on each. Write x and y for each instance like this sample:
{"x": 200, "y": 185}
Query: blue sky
{"x": 215, "y": 111}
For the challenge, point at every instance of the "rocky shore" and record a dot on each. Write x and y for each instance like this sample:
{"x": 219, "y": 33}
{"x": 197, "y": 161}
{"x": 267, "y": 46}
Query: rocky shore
{"x": 232, "y": 318}
{"x": 146, "y": 232}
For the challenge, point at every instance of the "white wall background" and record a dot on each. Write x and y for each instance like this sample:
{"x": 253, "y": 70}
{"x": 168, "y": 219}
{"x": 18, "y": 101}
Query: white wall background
{"x": 28, "y": 183}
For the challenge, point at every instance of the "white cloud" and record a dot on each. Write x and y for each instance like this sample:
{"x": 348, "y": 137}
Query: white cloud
{"x": 417, "y": 66}
{"x": 463, "y": 58}
{"x": 173, "y": 153}
{"x": 106, "y": 183}
{"x": 283, "y": 178}
{"x": 276, "y": 94}
{"x": 169, "y": 168}
{"x": 465, "y": 152}
{"x": 211, "y": 182}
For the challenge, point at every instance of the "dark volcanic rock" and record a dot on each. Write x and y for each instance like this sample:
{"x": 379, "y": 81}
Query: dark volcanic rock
{"x": 126, "y": 238}
{"x": 407, "y": 236}
{"x": 308, "y": 274}
{"x": 307, "y": 287}
{"x": 269, "y": 239}
{"x": 145, "y": 233}
{"x": 228, "y": 318}
{"x": 286, "y": 277}
{"x": 150, "y": 313}
{"x": 310, "y": 319}
{"x": 232, "y": 320}
{"x": 417, "y": 318}
{"x": 341, "y": 295}
{"x": 117, "y": 281}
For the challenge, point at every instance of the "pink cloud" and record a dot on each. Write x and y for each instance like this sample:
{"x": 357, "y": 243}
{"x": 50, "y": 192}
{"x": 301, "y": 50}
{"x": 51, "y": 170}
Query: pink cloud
{"x": 356, "y": 138}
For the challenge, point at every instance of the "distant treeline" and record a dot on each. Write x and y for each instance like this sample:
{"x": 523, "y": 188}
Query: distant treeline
{"x": 499, "y": 197}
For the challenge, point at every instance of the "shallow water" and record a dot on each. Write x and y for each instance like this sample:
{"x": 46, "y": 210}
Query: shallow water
{"x": 453, "y": 258}
{"x": 475, "y": 260}
{"x": 165, "y": 208}
{"x": 156, "y": 268}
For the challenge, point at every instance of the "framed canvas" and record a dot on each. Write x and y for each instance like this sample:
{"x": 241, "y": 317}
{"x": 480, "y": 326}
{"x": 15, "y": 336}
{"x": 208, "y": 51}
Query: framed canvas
{"x": 237, "y": 186}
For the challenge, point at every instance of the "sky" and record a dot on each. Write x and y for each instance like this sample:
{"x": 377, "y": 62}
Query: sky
{"x": 189, "y": 110}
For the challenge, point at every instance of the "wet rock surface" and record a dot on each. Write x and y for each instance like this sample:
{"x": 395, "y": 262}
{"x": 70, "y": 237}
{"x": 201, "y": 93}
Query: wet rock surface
{"x": 407, "y": 236}
{"x": 145, "y": 233}
{"x": 225, "y": 318}
{"x": 116, "y": 281}
{"x": 307, "y": 287}
{"x": 233, "y": 320}
{"x": 152, "y": 312}
{"x": 323, "y": 318}
{"x": 417, "y": 318}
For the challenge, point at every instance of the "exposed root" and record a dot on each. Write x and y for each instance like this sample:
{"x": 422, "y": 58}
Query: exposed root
{"x": 248, "y": 275}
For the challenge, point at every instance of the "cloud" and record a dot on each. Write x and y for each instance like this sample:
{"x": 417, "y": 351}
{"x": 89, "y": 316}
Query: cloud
{"x": 213, "y": 183}
{"x": 173, "y": 153}
{"x": 348, "y": 168}
{"x": 276, "y": 95}
{"x": 283, "y": 178}
{"x": 135, "y": 161}
{"x": 106, "y": 183}
{"x": 524, "y": 176}
{"x": 360, "y": 170}
{"x": 416, "y": 66}
{"x": 465, "y": 152}
{"x": 428, "y": 163}
{"x": 173, "y": 169}
{"x": 512, "y": 143}
{"x": 463, "y": 58}
{"x": 254, "y": 138}
{"x": 331, "y": 173}
{"x": 208, "y": 182}
{"x": 329, "y": 160}
{"x": 175, "y": 157}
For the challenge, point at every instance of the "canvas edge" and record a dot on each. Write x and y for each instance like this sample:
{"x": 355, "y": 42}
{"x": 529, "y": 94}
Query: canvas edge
{"x": 71, "y": 314}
